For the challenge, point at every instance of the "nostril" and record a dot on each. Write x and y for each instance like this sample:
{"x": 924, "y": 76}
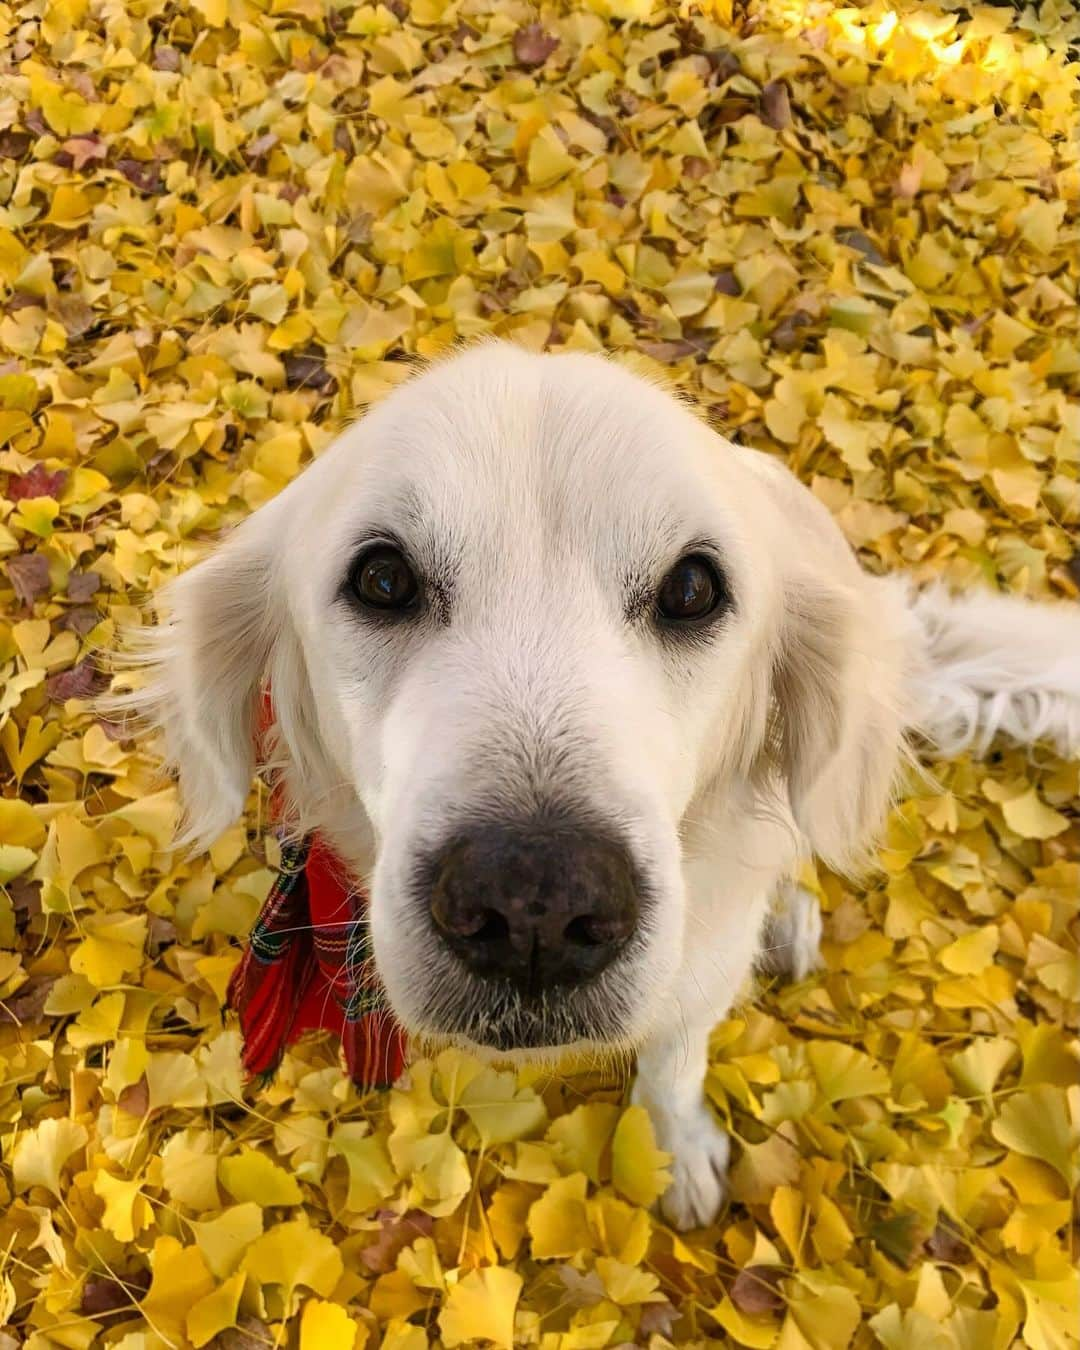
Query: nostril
{"x": 589, "y": 930}
{"x": 493, "y": 928}
{"x": 469, "y": 923}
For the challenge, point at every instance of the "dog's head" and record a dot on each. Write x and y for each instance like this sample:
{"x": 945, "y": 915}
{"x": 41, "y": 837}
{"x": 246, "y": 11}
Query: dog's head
{"x": 519, "y": 623}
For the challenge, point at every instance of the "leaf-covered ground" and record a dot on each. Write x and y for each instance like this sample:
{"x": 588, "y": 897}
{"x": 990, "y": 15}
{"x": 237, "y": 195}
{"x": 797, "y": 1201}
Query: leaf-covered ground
{"x": 854, "y": 233}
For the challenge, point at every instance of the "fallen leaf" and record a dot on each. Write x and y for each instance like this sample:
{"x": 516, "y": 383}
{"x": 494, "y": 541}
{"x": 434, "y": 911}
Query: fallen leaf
{"x": 755, "y": 1290}
{"x": 481, "y": 1306}
{"x": 638, "y": 1167}
{"x": 252, "y": 1176}
{"x": 532, "y": 45}
{"x": 1035, "y": 1123}
{"x": 293, "y": 1254}
{"x": 38, "y": 482}
{"x": 29, "y": 576}
{"x": 82, "y": 586}
{"x": 83, "y": 680}
{"x": 41, "y": 1154}
{"x": 775, "y": 105}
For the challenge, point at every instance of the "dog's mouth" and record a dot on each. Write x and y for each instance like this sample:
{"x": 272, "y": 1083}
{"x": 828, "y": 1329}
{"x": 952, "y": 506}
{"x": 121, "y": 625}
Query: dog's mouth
{"x": 500, "y": 1017}
{"x": 508, "y": 1021}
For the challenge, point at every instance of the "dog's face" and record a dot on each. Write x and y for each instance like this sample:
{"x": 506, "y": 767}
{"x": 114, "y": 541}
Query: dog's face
{"x": 516, "y": 623}
{"x": 530, "y": 617}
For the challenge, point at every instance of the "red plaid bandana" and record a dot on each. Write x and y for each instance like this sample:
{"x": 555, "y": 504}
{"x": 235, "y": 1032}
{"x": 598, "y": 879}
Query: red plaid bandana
{"x": 308, "y": 967}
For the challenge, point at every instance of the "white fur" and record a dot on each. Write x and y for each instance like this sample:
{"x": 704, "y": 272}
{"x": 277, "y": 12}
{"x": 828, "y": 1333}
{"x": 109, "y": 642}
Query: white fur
{"x": 996, "y": 664}
{"x": 539, "y": 491}
{"x": 793, "y": 933}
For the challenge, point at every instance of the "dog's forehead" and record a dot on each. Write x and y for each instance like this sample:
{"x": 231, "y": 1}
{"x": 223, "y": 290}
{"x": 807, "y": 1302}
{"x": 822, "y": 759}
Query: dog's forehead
{"x": 498, "y": 442}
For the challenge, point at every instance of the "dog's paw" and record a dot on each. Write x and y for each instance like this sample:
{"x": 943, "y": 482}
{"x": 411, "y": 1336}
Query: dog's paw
{"x": 700, "y": 1149}
{"x": 793, "y": 933}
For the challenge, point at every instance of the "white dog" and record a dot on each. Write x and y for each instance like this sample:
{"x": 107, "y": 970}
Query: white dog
{"x": 574, "y": 683}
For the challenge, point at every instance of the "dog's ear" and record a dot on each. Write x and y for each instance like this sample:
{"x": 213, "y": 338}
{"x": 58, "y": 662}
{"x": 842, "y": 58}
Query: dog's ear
{"x": 200, "y": 671}
{"x": 837, "y": 686}
{"x": 839, "y": 679}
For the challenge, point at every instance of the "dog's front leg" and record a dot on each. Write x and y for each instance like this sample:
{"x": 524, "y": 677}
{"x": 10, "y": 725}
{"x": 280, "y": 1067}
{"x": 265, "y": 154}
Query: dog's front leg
{"x": 672, "y": 1064}
{"x": 670, "y": 1085}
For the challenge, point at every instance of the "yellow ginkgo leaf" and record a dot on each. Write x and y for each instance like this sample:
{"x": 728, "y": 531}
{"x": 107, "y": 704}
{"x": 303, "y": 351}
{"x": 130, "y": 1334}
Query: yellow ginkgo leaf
{"x": 402, "y": 1335}
{"x": 506, "y": 1214}
{"x": 1031, "y": 818}
{"x": 20, "y": 824}
{"x": 757, "y": 1333}
{"x": 327, "y": 1326}
{"x": 582, "y": 1136}
{"x": 638, "y": 1167}
{"x": 823, "y": 1314}
{"x": 627, "y": 1284}
{"x": 1035, "y": 1122}
{"x": 249, "y": 1175}
{"x": 180, "y": 1281}
{"x": 35, "y": 742}
{"x": 294, "y": 1254}
{"x": 9, "y": 1300}
{"x": 40, "y": 1153}
{"x": 189, "y": 1171}
{"x": 65, "y": 110}
{"x": 972, "y": 952}
{"x": 978, "y": 1068}
{"x": 278, "y": 458}
{"x": 37, "y": 515}
{"x": 842, "y": 1071}
{"x": 623, "y": 1230}
{"x": 371, "y": 1175}
{"x": 14, "y": 860}
{"x": 1051, "y": 1312}
{"x": 224, "y": 1239}
{"x": 215, "y": 1312}
{"x": 78, "y": 845}
{"x": 437, "y": 1167}
{"x": 420, "y": 1262}
{"x": 127, "y": 1211}
{"x": 480, "y": 1308}
{"x": 112, "y": 948}
{"x": 558, "y": 1222}
{"x": 173, "y": 1079}
{"x": 500, "y": 1110}
{"x": 154, "y": 816}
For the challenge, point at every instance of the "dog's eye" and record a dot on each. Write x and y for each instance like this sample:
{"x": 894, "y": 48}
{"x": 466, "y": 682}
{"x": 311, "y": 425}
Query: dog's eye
{"x": 691, "y": 590}
{"x": 383, "y": 579}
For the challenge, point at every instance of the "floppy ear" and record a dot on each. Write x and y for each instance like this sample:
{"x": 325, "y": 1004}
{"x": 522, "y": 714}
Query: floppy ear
{"x": 221, "y": 634}
{"x": 838, "y": 691}
{"x": 839, "y": 679}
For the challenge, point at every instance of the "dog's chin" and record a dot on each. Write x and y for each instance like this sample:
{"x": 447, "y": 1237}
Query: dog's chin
{"x": 512, "y": 1026}
{"x": 494, "y": 1020}
{"x": 586, "y": 1053}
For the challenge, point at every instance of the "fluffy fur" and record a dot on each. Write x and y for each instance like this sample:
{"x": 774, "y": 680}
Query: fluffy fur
{"x": 542, "y": 499}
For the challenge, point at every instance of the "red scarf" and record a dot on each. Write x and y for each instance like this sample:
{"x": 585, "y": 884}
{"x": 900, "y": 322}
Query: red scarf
{"x": 308, "y": 967}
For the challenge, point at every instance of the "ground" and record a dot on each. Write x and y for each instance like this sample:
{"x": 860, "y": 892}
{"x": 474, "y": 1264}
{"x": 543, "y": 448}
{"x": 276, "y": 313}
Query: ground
{"x": 854, "y": 234}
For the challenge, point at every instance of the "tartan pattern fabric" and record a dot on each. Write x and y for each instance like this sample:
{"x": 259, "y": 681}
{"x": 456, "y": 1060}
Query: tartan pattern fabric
{"x": 308, "y": 967}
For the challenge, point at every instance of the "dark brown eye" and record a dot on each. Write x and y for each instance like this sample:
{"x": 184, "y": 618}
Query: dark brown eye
{"x": 691, "y": 590}
{"x": 383, "y": 579}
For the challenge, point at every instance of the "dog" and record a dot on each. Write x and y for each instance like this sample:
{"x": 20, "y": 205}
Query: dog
{"x": 574, "y": 684}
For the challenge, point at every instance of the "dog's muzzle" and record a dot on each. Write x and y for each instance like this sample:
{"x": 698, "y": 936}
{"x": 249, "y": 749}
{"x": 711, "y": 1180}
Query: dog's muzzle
{"x": 541, "y": 907}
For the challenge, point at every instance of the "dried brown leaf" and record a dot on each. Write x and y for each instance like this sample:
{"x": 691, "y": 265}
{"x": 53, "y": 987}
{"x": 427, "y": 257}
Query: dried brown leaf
{"x": 756, "y": 1290}
{"x": 533, "y": 45}
{"x": 29, "y": 575}
{"x": 776, "y": 105}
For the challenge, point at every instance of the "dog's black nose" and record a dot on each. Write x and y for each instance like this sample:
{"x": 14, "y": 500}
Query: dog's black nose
{"x": 541, "y": 907}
